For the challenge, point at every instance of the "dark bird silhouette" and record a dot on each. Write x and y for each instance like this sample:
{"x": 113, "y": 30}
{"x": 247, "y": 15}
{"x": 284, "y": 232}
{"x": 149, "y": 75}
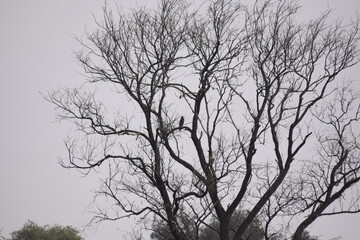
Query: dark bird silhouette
{"x": 181, "y": 122}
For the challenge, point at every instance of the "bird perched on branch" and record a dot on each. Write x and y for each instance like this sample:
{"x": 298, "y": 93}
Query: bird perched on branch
{"x": 181, "y": 122}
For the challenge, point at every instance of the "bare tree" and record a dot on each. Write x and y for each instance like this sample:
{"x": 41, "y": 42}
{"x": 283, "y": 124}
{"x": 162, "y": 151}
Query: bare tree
{"x": 336, "y": 168}
{"x": 211, "y": 111}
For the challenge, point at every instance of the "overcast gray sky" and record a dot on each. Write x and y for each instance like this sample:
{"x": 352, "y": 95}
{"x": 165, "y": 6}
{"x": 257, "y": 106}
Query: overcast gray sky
{"x": 36, "y": 54}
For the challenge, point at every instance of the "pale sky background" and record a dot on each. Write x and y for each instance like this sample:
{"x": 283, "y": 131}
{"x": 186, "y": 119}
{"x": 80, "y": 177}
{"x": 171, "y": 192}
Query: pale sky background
{"x": 36, "y": 54}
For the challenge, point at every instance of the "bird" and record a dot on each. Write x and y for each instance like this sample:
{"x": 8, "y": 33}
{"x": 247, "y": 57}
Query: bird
{"x": 181, "y": 122}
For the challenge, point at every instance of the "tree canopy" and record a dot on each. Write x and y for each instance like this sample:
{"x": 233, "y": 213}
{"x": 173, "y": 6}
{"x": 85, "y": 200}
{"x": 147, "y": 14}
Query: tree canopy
{"x": 201, "y": 111}
{"x": 160, "y": 230}
{"x": 32, "y": 231}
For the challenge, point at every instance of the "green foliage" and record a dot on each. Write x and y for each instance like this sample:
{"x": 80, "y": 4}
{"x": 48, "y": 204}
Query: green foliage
{"x": 188, "y": 226}
{"x": 255, "y": 231}
{"x": 161, "y": 230}
{"x": 32, "y": 231}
